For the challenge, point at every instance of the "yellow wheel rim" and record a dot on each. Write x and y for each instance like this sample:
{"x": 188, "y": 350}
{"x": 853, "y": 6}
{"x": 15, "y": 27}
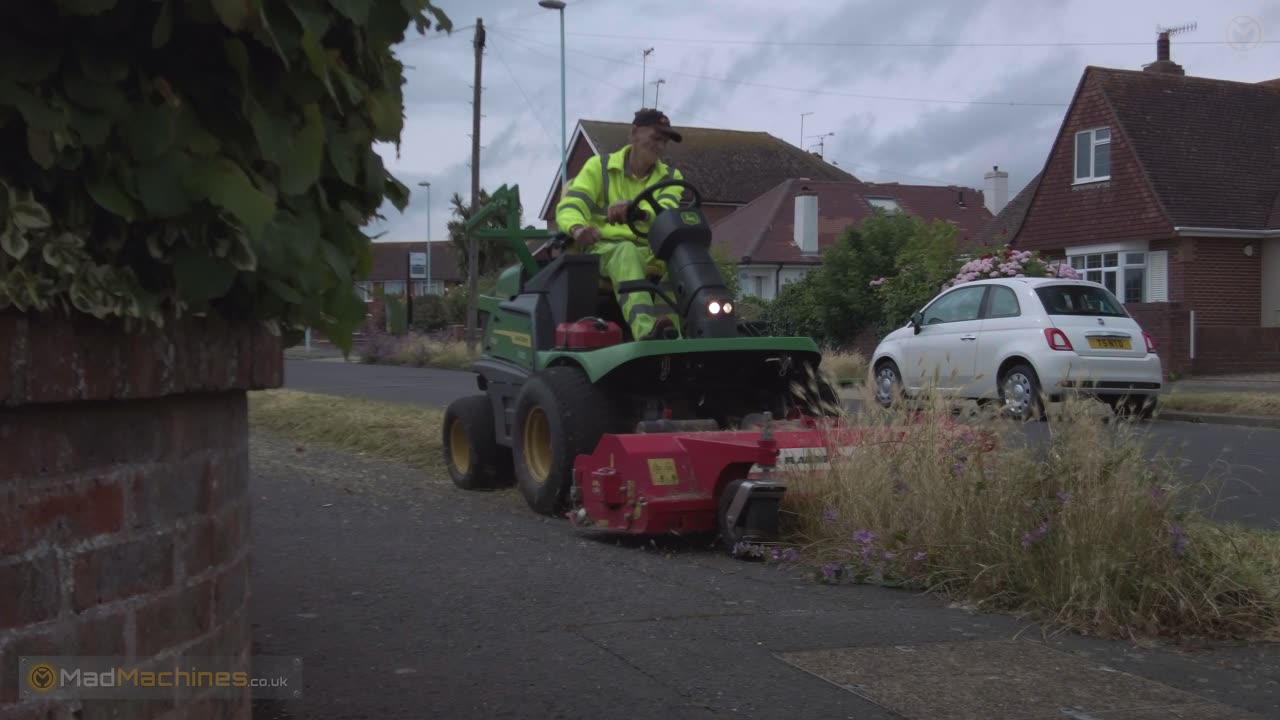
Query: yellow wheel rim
{"x": 459, "y": 448}
{"x": 537, "y": 444}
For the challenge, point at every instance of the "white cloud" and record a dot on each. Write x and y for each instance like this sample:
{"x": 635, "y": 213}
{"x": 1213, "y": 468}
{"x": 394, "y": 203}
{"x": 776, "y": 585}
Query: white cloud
{"x": 700, "y": 47}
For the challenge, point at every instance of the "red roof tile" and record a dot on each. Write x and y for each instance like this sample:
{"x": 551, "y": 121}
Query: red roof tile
{"x": 1006, "y": 225}
{"x": 763, "y": 230}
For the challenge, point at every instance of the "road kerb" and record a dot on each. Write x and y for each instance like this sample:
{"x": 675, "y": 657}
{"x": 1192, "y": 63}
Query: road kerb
{"x": 1219, "y": 419}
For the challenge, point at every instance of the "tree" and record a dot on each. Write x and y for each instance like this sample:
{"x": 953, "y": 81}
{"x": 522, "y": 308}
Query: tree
{"x": 921, "y": 270}
{"x": 493, "y": 254}
{"x": 161, "y": 159}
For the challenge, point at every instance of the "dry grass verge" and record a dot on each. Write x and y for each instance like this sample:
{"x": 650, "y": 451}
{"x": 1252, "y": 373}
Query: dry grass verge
{"x": 845, "y": 367}
{"x": 1227, "y": 403}
{"x": 417, "y": 351}
{"x": 1083, "y": 532}
{"x": 398, "y": 433}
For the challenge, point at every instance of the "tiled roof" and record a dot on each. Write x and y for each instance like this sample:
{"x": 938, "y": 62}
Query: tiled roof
{"x": 763, "y": 229}
{"x": 1210, "y": 148}
{"x": 1006, "y": 225}
{"x": 727, "y": 166}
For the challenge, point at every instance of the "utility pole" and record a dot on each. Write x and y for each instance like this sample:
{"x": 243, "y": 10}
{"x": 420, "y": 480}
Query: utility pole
{"x": 473, "y": 243}
{"x": 802, "y": 136}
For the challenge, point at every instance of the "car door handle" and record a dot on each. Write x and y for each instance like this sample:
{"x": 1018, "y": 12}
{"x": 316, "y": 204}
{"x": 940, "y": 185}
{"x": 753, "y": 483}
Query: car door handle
{"x": 968, "y": 337}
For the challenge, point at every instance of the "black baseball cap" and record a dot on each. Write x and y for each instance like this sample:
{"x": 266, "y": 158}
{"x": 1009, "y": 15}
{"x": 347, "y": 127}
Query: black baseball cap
{"x": 649, "y": 117}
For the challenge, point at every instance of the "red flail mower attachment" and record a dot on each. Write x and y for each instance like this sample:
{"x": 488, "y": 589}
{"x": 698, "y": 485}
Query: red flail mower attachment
{"x": 702, "y": 481}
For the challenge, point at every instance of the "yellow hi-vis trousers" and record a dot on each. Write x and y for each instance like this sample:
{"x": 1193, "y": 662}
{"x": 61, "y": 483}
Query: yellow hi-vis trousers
{"x": 622, "y": 261}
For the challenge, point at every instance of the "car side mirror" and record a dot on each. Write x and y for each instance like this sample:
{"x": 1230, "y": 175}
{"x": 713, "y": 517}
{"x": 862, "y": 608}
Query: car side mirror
{"x": 917, "y": 322}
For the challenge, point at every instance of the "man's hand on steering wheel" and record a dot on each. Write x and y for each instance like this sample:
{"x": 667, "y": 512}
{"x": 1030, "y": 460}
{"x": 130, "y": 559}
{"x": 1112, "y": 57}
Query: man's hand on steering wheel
{"x": 618, "y": 212}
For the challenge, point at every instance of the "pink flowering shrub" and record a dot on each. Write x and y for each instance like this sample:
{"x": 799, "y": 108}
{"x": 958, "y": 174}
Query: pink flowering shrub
{"x": 1010, "y": 263}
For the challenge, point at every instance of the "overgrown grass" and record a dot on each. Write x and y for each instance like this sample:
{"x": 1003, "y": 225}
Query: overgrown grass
{"x": 1229, "y": 403}
{"x": 406, "y": 434}
{"x": 1084, "y": 531}
{"x": 845, "y": 367}
{"x": 417, "y": 351}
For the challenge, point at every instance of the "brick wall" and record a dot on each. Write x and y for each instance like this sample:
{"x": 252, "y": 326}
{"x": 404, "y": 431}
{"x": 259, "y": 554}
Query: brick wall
{"x": 1221, "y": 283}
{"x": 124, "y": 513}
{"x": 1226, "y": 349}
{"x": 1065, "y": 215}
{"x": 1167, "y": 324}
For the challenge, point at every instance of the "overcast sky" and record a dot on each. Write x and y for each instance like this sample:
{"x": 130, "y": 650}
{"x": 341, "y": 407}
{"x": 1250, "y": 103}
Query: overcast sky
{"x": 916, "y": 91}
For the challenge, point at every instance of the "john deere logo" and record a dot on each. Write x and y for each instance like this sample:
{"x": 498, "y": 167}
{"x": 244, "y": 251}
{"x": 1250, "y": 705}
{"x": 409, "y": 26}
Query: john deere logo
{"x": 41, "y": 677}
{"x": 690, "y": 218}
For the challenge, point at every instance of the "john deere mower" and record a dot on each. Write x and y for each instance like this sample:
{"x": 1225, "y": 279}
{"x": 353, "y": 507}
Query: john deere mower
{"x": 644, "y": 436}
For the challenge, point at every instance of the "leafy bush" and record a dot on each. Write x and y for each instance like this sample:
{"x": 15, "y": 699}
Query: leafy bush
{"x": 1084, "y": 531}
{"x": 922, "y": 268}
{"x": 429, "y": 313}
{"x": 168, "y": 158}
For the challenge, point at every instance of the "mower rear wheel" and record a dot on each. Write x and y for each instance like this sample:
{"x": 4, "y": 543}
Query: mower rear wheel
{"x": 560, "y": 415}
{"x": 472, "y": 454}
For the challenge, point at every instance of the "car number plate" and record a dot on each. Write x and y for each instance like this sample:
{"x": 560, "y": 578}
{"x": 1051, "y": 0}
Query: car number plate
{"x": 1110, "y": 343}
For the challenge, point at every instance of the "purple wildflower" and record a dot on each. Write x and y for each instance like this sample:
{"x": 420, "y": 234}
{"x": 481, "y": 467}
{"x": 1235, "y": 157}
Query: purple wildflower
{"x": 1063, "y": 497}
{"x": 958, "y": 469}
{"x": 864, "y": 537}
{"x": 790, "y": 555}
{"x": 888, "y": 555}
{"x": 1179, "y": 540}
{"x": 829, "y": 571}
{"x": 1034, "y": 536}
{"x": 829, "y": 515}
{"x": 920, "y": 556}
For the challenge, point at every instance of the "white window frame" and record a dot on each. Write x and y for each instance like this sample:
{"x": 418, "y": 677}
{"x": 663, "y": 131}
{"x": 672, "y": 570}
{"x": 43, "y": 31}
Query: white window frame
{"x": 364, "y": 289}
{"x": 1122, "y": 251}
{"x": 1094, "y": 144}
{"x": 873, "y": 199}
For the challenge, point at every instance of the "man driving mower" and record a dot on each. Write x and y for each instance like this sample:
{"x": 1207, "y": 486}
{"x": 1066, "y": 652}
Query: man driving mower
{"x": 593, "y": 211}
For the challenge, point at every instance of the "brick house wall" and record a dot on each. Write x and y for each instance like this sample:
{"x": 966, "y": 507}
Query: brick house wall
{"x": 1221, "y": 283}
{"x": 1065, "y": 215}
{"x": 124, "y": 506}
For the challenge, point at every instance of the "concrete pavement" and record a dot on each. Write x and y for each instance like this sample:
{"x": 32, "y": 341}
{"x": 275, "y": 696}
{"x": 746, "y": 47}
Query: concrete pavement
{"x": 407, "y": 598}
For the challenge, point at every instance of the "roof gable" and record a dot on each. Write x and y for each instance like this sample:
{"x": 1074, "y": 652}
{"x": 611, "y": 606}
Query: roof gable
{"x": 1210, "y": 148}
{"x": 727, "y": 166}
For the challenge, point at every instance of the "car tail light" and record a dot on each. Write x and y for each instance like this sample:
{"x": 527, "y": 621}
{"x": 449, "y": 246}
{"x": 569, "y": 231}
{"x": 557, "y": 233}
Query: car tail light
{"x": 1151, "y": 344}
{"x": 1057, "y": 339}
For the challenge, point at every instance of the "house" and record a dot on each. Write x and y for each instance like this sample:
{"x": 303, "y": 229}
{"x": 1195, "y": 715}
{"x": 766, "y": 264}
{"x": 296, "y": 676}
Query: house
{"x": 391, "y": 273}
{"x": 1165, "y": 187}
{"x": 730, "y": 168}
{"x": 779, "y": 237}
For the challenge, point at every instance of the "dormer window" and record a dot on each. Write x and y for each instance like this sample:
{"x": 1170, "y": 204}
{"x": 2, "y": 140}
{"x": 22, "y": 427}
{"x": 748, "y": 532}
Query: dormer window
{"x": 887, "y": 204}
{"x": 1093, "y": 155}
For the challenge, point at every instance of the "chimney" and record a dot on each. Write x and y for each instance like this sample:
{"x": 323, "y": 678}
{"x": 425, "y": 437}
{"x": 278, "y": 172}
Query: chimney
{"x": 1163, "y": 64}
{"x": 806, "y": 222}
{"x": 996, "y": 194}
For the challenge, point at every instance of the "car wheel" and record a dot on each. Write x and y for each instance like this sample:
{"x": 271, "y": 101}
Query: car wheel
{"x": 888, "y": 383}
{"x": 1020, "y": 393}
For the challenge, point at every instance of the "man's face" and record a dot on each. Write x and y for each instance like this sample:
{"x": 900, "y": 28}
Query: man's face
{"x": 650, "y": 140}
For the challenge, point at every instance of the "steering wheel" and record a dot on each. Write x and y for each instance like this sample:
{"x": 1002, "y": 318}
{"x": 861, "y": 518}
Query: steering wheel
{"x": 636, "y": 213}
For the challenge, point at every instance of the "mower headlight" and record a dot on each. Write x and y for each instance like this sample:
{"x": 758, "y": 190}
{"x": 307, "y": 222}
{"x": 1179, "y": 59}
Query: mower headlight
{"x": 714, "y": 307}
{"x": 728, "y": 308}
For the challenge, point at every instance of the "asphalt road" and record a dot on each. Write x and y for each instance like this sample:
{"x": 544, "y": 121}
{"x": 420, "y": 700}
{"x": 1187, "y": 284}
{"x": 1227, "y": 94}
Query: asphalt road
{"x": 406, "y": 598}
{"x": 1240, "y": 465}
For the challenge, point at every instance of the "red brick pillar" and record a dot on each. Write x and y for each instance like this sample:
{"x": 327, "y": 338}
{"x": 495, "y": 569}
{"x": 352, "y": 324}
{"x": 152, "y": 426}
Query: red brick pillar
{"x": 124, "y": 512}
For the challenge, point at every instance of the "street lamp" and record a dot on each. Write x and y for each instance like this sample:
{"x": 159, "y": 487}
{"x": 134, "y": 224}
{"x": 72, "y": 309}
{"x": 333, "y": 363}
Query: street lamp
{"x": 427, "y": 185}
{"x": 564, "y": 159}
{"x": 657, "y": 86}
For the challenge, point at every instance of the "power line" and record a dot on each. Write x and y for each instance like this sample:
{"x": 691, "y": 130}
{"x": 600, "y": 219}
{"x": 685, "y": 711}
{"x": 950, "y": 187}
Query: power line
{"x": 833, "y": 43}
{"x": 528, "y": 103}
{"x": 809, "y": 91}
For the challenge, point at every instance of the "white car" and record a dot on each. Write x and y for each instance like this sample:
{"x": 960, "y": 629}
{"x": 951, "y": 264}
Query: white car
{"x": 1018, "y": 341}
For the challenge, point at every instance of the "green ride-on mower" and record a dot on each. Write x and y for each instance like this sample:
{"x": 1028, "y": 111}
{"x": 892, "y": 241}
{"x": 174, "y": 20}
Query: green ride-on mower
{"x": 642, "y": 436}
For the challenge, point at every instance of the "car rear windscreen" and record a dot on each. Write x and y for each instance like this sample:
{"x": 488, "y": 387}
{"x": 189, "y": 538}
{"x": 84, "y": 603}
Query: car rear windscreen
{"x": 1079, "y": 300}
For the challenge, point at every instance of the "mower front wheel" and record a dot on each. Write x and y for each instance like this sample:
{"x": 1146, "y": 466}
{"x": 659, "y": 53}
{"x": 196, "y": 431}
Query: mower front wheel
{"x": 560, "y": 415}
{"x": 471, "y": 452}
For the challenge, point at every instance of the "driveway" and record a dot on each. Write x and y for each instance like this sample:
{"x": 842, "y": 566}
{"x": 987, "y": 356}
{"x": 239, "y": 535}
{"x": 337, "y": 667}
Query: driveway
{"x": 1241, "y": 461}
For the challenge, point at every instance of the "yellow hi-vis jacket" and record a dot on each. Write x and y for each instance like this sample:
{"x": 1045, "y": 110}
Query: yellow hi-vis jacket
{"x": 591, "y": 192}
